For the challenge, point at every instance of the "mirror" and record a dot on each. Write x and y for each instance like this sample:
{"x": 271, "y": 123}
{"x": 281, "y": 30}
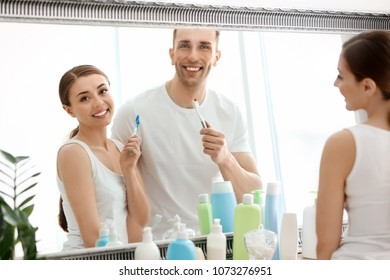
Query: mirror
{"x": 274, "y": 63}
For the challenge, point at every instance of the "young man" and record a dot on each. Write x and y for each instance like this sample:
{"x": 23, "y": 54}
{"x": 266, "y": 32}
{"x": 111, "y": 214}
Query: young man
{"x": 179, "y": 157}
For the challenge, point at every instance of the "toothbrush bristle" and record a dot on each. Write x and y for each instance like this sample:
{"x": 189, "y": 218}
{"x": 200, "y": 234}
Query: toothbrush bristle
{"x": 137, "y": 120}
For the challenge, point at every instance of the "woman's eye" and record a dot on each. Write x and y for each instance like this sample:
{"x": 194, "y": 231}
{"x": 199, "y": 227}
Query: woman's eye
{"x": 103, "y": 91}
{"x": 83, "y": 99}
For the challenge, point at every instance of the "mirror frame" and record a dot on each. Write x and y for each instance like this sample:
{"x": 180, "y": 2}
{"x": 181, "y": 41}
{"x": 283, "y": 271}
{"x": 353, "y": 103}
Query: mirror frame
{"x": 153, "y": 14}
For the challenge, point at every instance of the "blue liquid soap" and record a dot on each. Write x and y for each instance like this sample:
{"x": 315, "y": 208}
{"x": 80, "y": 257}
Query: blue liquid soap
{"x": 223, "y": 201}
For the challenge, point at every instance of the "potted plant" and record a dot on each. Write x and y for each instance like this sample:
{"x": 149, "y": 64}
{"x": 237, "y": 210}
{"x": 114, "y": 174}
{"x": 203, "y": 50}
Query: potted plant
{"x": 16, "y": 181}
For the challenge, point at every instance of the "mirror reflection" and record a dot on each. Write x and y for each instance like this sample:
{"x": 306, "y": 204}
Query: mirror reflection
{"x": 283, "y": 83}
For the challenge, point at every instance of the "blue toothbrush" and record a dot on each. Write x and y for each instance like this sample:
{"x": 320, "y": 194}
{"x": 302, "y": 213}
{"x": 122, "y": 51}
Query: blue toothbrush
{"x": 137, "y": 122}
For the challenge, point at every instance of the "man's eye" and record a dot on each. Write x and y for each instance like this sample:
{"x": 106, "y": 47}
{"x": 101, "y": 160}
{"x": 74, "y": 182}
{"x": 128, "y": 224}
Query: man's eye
{"x": 184, "y": 45}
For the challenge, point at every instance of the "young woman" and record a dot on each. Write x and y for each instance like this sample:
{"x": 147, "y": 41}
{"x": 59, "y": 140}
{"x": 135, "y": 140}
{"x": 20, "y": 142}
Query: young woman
{"x": 355, "y": 165}
{"x": 98, "y": 177}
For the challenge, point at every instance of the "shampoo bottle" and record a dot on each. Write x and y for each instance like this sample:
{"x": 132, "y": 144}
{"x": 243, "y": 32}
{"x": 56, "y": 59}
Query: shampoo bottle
{"x": 205, "y": 214}
{"x": 246, "y": 218}
{"x": 147, "y": 249}
{"x": 216, "y": 242}
{"x": 309, "y": 236}
{"x": 103, "y": 235}
{"x": 223, "y": 201}
{"x": 182, "y": 248}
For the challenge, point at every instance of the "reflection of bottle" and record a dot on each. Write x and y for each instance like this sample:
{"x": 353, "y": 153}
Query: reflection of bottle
{"x": 309, "y": 236}
{"x": 258, "y": 199}
{"x": 205, "y": 214}
{"x": 182, "y": 248}
{"x": 288, "y": 245}
{"x": 223, "y": 201}
{"x": 216, "y": 242}
{"x": 246, "y": 218}
{"x": 147, "y": 249}
{"x": 272, "y": 213}
{"x": 103, "y": 235}
{"x": 113, "y": 238}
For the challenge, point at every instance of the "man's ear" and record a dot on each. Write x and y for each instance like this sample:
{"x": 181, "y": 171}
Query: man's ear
{"x": 217, "y": 57}
{"x": 68, "y": 110}
{"x": 369, "y": 86}
{"x": 171, "y": 55}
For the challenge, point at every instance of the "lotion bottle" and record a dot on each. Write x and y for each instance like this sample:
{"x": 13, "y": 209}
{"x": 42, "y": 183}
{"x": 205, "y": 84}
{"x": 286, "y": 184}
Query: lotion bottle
{"x": 147, "y": 249}
{"x": 113, "y": 238}
{"x": 289, "y": 237}
{"x": 182, "y": 248}
{"x": 309, "y": 235}
{"x": 216, "y": 242}
{"x": 259, "y": 200}
{"x": 246, "y": 218}
{"x": 103, "y": 235}
{"x": 205, "y": 214}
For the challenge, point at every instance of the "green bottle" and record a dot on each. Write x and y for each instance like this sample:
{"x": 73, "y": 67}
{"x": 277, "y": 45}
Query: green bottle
{"x": 259, "y": 200}
{"x": 205, "y": 214}
{"x": 247, "y": 217}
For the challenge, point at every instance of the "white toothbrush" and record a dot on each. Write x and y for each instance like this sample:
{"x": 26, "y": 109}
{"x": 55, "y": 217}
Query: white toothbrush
{"x": 196, "y": 106}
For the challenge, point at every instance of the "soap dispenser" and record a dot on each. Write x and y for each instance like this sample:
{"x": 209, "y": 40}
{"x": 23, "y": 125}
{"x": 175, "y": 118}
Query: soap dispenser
{"x": 147, "y": 249}
{"x": 182, "y": 248}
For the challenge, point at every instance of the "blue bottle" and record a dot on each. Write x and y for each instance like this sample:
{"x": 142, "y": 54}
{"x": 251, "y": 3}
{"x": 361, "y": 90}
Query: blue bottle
{"x": 272, "y": 211}
{"x": 223, "y": 202}
{"x": 182, "y": 248}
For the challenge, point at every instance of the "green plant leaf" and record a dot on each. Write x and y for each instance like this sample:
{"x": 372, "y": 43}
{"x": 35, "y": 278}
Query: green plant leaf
{"x": 7, "y": 175}
{"x": 26, "y": 189}
{"x": 28, "y": 210}
{"x": 27, "y": 200}
{"x": 25, "y": 180}
{"x": 7, "y": 233}
{"x": 9, "y": 215}
{"x": 20, "y": 159}
{"x": 8, "y": 156}
{"x": 6, "y": 194}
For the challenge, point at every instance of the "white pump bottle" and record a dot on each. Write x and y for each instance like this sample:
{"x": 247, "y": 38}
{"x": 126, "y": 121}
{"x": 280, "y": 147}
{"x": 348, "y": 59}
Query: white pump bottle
{"x": 147, "y": 249}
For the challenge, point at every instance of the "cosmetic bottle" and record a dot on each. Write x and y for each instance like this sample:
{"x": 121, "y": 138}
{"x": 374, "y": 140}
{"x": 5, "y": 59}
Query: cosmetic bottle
{"x": 309, "y": 235}
{"x": 246, "y": 218}
{"x": 113, "y": 239}
{"x": 258, "y": 198}
{"x": 103, "y": 235}
{"x": 216, "y": 242}
{"x": 223, "y": 202}
{"x": 147, "y": 249}
{"x": 288, "y": 249}
{"x": 272, "y": 211}
{"x": 205, "y": 214}
{"x": 181, "y": 248}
